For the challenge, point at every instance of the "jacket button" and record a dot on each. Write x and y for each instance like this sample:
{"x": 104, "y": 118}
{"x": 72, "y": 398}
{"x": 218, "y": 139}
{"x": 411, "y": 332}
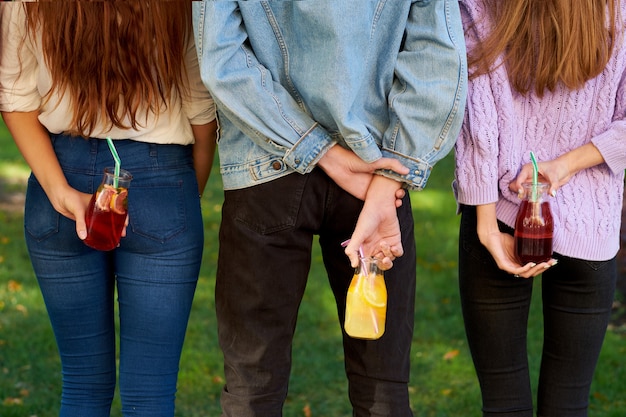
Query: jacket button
{"x": 277, "y": 165}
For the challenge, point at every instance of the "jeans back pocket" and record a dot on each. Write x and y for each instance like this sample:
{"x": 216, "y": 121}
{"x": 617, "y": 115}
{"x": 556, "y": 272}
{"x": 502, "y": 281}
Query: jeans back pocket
{"x": 157, "y": 212}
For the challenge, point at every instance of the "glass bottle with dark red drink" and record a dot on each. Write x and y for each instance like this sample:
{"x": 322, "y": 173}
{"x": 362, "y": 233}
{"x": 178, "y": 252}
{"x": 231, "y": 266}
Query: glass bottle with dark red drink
{"x": 107, "y": 210}
{"x": 534, "y": 226}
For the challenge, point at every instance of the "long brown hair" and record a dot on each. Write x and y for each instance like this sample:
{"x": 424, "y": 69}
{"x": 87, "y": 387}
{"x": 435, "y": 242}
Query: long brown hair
{"x": 113, "y": 58}
{"x": 547, "y": 42}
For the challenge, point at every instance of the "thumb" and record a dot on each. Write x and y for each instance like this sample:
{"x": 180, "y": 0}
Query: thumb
{"x": 353, "y": 256}
{"x": 81, "y": 226}
{"x": 352, "y": 251}
{"x": 516, "y": 185}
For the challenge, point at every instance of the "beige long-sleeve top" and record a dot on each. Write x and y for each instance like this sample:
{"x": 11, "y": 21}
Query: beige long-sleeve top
{"x": 25, "y": 79}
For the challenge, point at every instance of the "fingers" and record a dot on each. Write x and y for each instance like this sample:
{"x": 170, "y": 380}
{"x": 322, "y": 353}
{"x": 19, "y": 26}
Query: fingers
{"x": 551, "y": 172}
{"x": 399, "y": 196}
{"x": 353, "y": 255}
{"x": 391, "y": 252}
{"x": 353, "y": 251}
{"x": 76, "y": 206}
{"x": 524, "y": 175}
{"x": 385, "y": 264}
{"x": 532, "y": 270}
{"x": 125, "y": 226}
{"x": 81, "y": 227}
{"x": 385, "y": 254}
{"x": 390, "y": 164}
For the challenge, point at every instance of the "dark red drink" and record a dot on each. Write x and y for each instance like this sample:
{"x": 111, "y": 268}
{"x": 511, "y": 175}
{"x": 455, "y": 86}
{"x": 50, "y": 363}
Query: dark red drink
{"x": 104, "y": 228}
{"x": 533, "y": 232}
{"x": 107, "y": 210}
{"x": 533, "y": 249}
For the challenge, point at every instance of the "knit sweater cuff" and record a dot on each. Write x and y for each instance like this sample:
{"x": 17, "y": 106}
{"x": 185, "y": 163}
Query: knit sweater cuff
{"x": 612, "y": 151}
{"x": 474, "y": 196}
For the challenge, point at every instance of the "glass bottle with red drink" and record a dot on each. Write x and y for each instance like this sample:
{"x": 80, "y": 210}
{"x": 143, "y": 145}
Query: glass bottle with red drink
{"x": 534, "y": 226}
{"x": 107, "y": 210}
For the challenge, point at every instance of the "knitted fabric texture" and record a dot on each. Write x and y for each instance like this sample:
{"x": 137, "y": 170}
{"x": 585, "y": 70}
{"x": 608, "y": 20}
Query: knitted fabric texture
{"x": 501, "y": 127}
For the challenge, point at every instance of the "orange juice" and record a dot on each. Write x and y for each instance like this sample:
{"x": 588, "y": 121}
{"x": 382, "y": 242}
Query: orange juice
{"x": 366, "y": 304}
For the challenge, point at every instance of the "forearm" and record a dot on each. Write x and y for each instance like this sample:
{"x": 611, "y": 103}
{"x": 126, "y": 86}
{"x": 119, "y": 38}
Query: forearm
{"x": 581, "y": 158}
{"x": 204, "y": 152}
{"x": 486, "y": 221}
{"x": 33, "y": 141}
{"x": 383, "y": 190}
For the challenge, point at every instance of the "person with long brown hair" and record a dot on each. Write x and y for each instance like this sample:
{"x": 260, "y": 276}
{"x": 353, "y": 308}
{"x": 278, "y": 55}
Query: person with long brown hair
{"x": 72, "y": 75}
{"x": 548, "y": 77}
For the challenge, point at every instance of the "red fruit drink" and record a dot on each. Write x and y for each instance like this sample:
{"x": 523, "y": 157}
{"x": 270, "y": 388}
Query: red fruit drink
{"x": 533, "y": 232}
{"x": 107, "y": 213}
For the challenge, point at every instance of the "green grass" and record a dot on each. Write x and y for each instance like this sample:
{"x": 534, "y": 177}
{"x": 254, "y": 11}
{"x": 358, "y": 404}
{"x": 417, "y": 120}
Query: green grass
{"x": 443, "y": 383}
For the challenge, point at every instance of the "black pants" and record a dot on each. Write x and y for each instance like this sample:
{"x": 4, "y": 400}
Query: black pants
{"x": 266, "y": 238}
{"x": 577, "y": 297}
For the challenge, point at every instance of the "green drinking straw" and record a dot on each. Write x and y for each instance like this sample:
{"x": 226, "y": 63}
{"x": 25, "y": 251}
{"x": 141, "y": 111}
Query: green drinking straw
{"x": 116, "y": 157}
{"x": 535, "y": 176}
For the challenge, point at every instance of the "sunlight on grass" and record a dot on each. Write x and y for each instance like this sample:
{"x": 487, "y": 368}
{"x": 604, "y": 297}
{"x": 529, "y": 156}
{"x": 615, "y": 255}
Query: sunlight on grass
{"x": 435, "y": 201}
{"x": 14, "y": 172}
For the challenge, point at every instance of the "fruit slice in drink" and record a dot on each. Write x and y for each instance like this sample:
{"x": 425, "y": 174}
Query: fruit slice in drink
{"x": 366, "y": 307}
{"x": 103, "y": 197}
{"x": 374, "y": 291}
{"x": 119, "y": 201}
{"x": 105, "y": 217}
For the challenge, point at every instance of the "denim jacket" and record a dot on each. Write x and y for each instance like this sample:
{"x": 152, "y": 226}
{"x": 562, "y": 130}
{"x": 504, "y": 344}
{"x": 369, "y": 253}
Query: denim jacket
{"x": 384, "y": 78}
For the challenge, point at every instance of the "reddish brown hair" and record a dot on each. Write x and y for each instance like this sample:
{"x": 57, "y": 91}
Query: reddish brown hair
{"x": 547, "y": 42}
{"x": 113, "y": 58}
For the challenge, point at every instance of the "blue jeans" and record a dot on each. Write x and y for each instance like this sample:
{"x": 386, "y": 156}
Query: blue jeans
{"x": 266, "y": 239}
{"x": 155, "y": 270}
{"x": 577, "y": 297}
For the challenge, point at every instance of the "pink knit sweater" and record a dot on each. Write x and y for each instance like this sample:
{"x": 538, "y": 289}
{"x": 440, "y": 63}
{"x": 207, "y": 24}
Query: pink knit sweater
{"x": 501, "y": 127}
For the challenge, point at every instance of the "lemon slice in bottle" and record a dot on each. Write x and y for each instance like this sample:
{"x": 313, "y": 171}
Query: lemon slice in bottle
{"x": 374, "y": 293}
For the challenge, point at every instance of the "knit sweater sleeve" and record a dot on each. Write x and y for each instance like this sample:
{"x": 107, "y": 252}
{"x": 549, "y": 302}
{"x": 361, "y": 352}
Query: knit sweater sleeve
{"x": 476, "y": 149}
{"x": 611, "y": 143}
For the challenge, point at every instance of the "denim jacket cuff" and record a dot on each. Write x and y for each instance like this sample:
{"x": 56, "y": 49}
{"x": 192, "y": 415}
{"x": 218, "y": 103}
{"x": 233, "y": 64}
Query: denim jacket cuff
{"x": 419, "y": 171}
{"x": 309, "y": 149}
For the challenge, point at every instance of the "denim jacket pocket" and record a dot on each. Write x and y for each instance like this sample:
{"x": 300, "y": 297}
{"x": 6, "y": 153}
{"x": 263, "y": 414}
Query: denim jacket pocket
{"x": 157, "y": 212}
{"x": 41, "y": 220}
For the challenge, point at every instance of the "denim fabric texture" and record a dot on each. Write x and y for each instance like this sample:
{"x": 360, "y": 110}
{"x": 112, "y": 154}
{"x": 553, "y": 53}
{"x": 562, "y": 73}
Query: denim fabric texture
{"x": 577, "y": 297}
{"x": 393, "y": 84}
{"x": 153, "y": 274}
{"x": 266, "y": 238}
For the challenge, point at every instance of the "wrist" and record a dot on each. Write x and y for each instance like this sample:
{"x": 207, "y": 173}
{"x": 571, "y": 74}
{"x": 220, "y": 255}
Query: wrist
{"x": 486, "y": 220}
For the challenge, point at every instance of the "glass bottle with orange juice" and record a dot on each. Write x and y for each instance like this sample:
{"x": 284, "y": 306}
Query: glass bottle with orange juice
{"x": 366, "y": 302}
